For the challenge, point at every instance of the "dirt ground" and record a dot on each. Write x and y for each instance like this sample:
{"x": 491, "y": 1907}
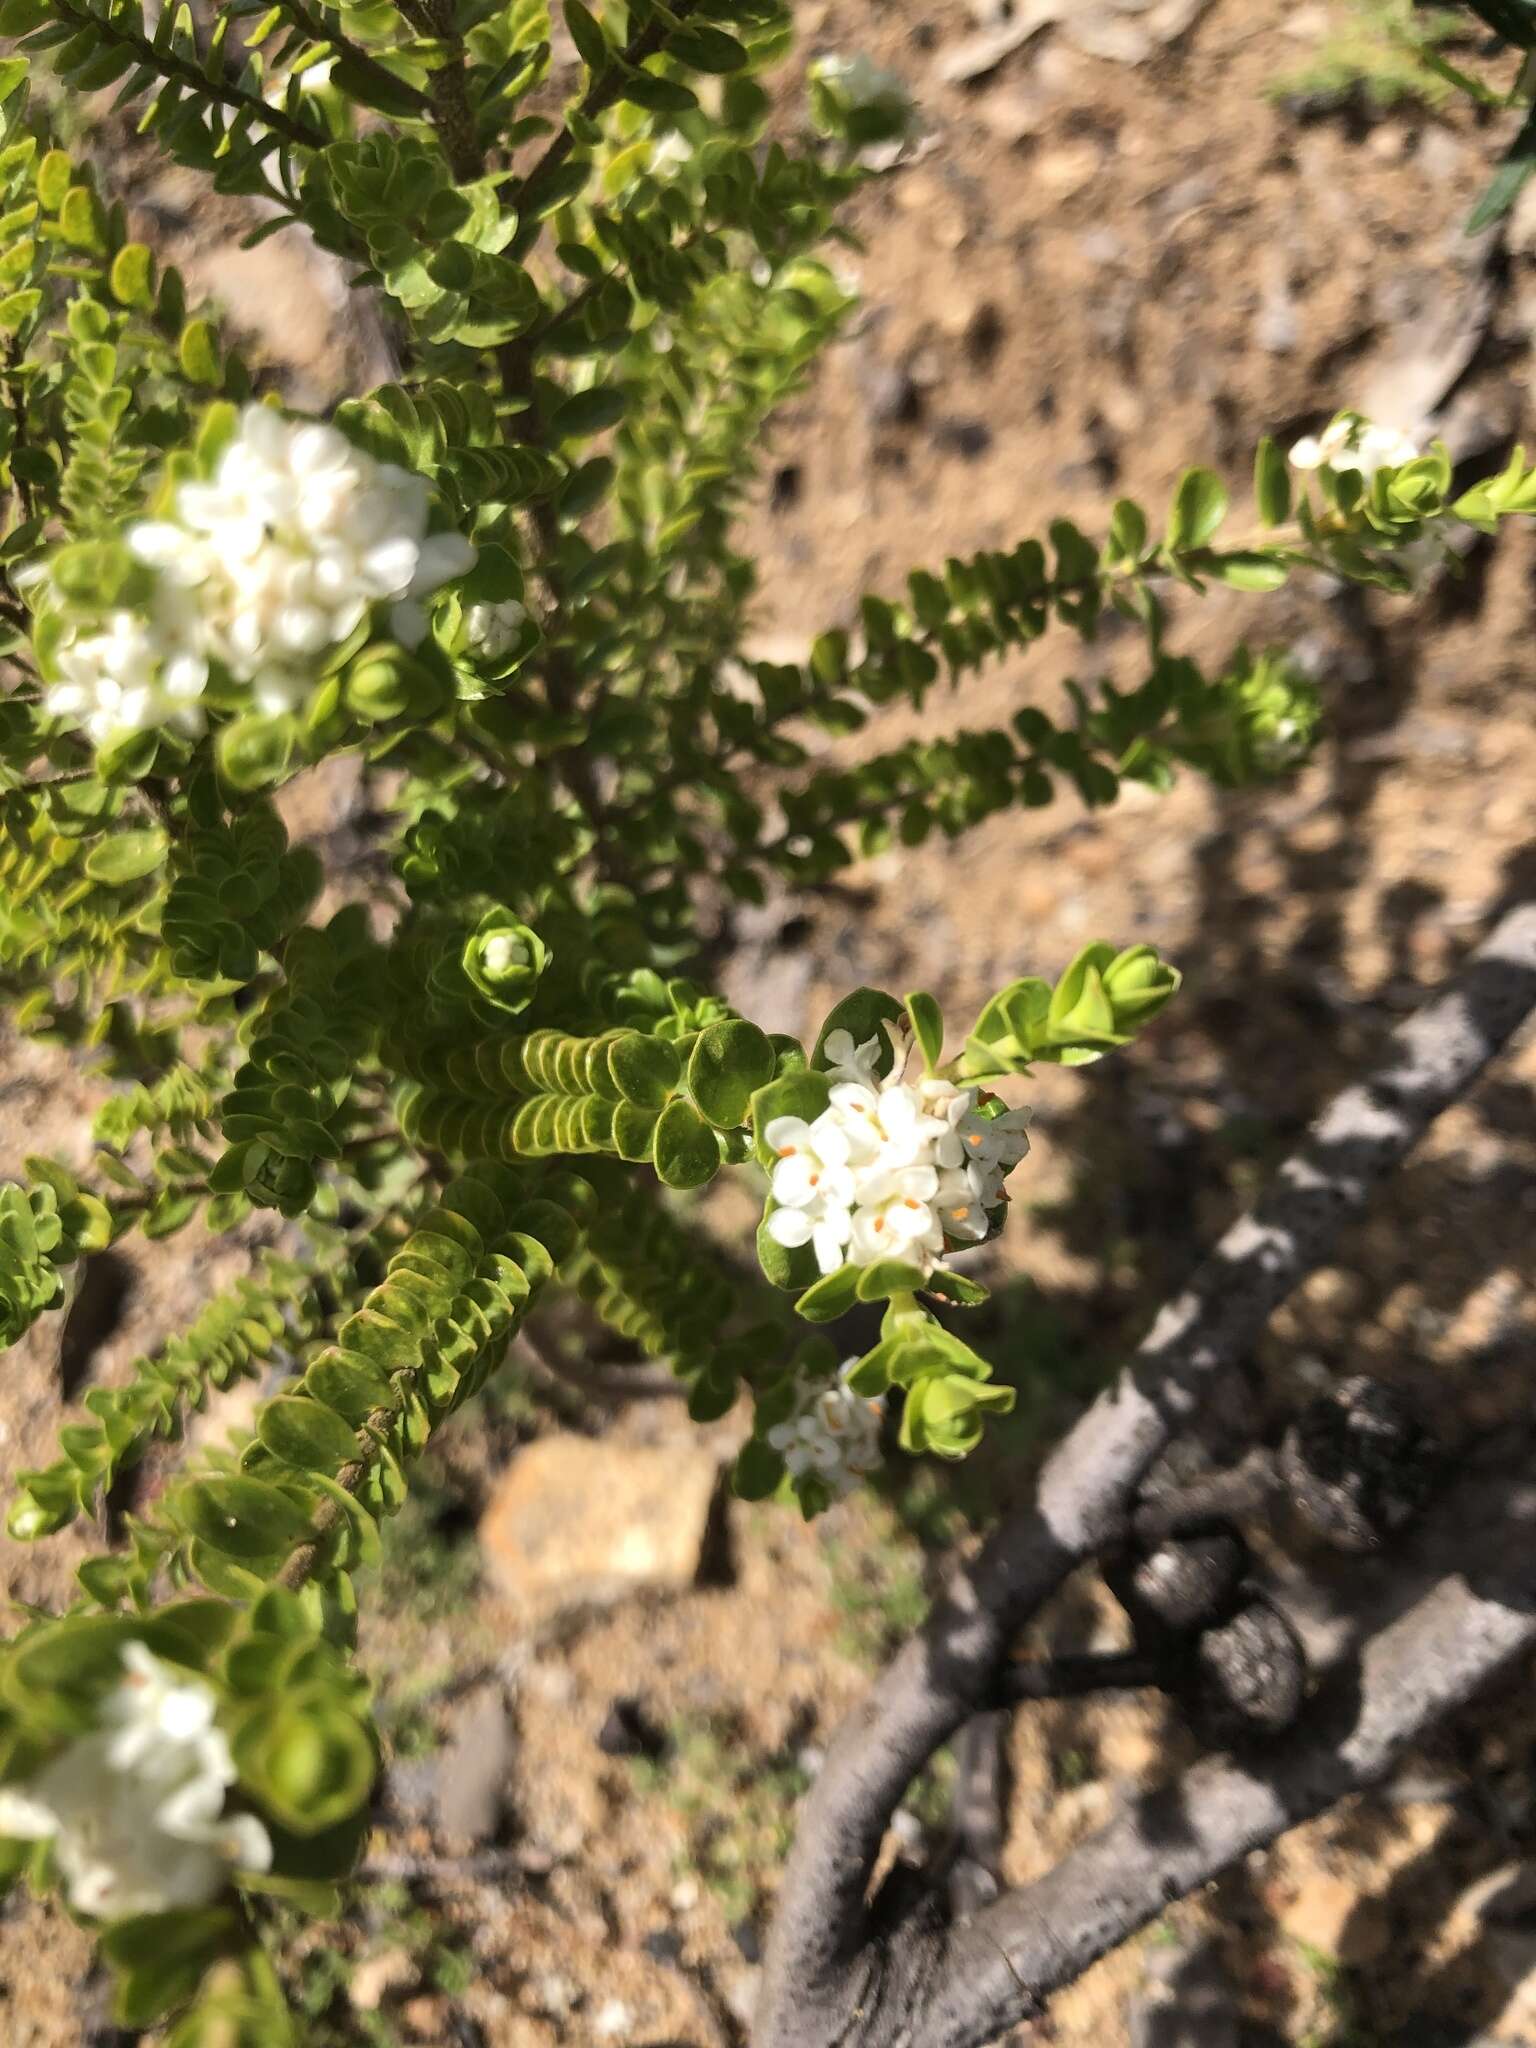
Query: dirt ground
{"x": 1093, "y": 272}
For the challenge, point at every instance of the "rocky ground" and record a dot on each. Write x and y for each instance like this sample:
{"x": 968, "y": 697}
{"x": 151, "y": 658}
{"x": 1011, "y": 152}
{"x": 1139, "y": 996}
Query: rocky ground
{"x": 1115, "y": 253}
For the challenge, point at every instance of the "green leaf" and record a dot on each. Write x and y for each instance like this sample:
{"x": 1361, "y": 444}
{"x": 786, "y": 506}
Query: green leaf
{"x": 645, "y": 1070}
{"x": 704, "y": 48}
{"x": 587, "y": 35}
{"x": 53, "y": 175}
{"x": 864, "y": 1015}
{"x": 757, "y": 1472}
{"x": 657, "y": 95}
{"x": 198, "y": 353}
{"x": 793, "y": 1268}
{"x": 1509, "y": 181}
{"x": 160, "y": 1958}
{"x": 730, "y": 1061}
{"x": 133, "y": 275}
{"x": 17, "y": 308}
{"x": 80, "y": 220}
{"x": 126, "y": 856}
{"x": 959, "y": 1288}
{"x": 1199, "y": 506}
{"x": 1272, "y": 483}
{"x": 244, "y": 1518}
{"x": 588, "y": 412}
{"x": 927, "y": 1027}
{"x": 1128, "y": 531}
{"x": 887, "y": 1277}
{"x": 830, "y": 1296}
{"x": 303, "y": 1433}
{"x": 1246, "y": 569}
{"x": 684, "y": 1149}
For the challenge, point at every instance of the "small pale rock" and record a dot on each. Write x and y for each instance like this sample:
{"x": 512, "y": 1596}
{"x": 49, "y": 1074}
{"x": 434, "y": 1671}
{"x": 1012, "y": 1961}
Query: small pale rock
{"x": 377, "y": 1976}
{"x": 1011, "y": 113}
{"x": 1066, "y": 170}
{"x": 614, "y": 2020}
{"x": 475, "y": 1766}
{"x": 685, "y": 1895}
{"x": 427, "y": 2018}
{"x": 553, "y": 1995}
{"x": 575, "y": 1522}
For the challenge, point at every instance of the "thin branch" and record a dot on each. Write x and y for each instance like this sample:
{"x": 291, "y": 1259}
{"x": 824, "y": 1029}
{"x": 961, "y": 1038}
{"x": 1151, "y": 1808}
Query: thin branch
{"x": 1086, "y": 1493}
{"x": 1419, "y": 1662}
{"x": 378, "y": 75}
{"x": 170, "y": 64}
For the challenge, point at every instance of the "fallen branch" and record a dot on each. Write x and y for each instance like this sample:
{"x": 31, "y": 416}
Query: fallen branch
{"x": 832, "y": 1968}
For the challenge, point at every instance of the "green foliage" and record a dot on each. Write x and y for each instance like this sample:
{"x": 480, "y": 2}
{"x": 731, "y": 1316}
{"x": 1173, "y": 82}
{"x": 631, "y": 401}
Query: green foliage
{"x": 1381, "y": 49}
{"x": 510, "y": 585}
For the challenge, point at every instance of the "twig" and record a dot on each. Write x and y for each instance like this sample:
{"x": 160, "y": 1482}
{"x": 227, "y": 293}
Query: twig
{"x": 448, "y": 88}
{"x": 1086, "y": 1492}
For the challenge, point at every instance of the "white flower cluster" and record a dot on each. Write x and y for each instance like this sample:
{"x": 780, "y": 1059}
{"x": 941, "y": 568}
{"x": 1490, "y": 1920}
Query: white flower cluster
{"x": 890, "y": 1169}
{"x": 493, "y": 630}
{"x": 1350, "y": 441}
{"x": 833, "y": 1433}
{"x": 135, "y": 1810}
{"x": 264, "y": 569}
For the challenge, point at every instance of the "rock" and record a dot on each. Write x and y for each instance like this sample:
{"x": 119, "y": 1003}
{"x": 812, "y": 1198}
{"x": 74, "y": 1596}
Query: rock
{"x": 665, "y": 1945}
{"x": 630, "y": 1730}
{"x": 552, "y": 1994}
{"x": 575, "y": 1522}
{"x": 685, "y": 1895}
{"x": 375, "y": 1977}
{"x": 1330, "y": 1915}
{"x": 614, "y": 2021}
{"x": 430, "y": 2019}
{"x": 1012, "y": 113}
{"x": 475, "y": 1766}
{"x": 983, "y": 52}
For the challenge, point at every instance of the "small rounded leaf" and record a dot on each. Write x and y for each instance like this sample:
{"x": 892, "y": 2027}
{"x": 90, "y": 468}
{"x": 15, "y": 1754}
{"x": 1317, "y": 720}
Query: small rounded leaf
{"x": 685, "y": 1150}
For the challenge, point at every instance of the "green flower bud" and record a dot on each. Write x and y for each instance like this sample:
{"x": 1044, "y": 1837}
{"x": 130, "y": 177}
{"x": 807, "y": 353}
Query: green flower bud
{"x": 385, "y": 682}
{"x": 1258, "y": 721}
{"x": 1103, "y": 998}
{"x": 945, "y": 1412}
{"x": 504, "y": 960}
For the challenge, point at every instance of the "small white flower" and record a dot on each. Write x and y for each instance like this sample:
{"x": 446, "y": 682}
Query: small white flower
{"x": 135, "y": 1809}
{"x": 669, "y": 153}
{"x": 1352, "y": 442}
{"x": 849, "y": 1062}
{"x": 833, "y": 1433}
{"x": 493, "y": 630}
